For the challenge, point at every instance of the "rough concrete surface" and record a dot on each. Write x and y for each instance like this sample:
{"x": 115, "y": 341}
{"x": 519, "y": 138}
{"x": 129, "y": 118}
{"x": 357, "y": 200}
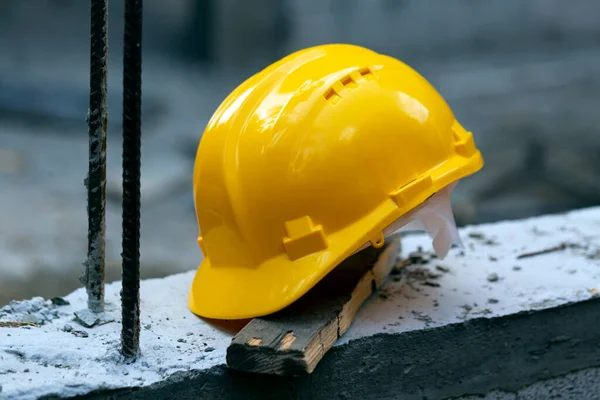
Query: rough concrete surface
{"x": 580, "y": 385}
{"x": 498, "y": 314}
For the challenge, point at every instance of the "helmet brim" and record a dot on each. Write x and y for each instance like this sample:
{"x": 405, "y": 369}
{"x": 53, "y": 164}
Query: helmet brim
{"x": 230, "y": 293}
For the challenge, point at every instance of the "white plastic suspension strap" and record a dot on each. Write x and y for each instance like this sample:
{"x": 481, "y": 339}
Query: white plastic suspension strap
{"x": 435, "y": 217}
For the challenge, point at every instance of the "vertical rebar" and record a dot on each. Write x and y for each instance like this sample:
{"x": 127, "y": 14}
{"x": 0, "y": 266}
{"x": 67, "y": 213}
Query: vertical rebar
{"x": 93, "y": 277}
{"x": 132, "y": 110}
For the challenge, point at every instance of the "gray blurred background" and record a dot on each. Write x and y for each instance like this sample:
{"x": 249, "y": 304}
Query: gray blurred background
{"x": 522, "y": 75}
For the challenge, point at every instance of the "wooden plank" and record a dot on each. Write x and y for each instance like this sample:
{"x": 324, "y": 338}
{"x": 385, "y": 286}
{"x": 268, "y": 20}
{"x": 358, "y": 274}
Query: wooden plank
{"x": 294, "y": 340}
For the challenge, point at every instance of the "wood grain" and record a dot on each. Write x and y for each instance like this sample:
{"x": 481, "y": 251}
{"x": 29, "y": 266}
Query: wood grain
{"x": 294, "y": 340}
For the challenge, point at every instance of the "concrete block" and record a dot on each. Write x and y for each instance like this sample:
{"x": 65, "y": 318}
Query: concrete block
{"x": 576, "y": 385}
{"x": 517, "y": 305}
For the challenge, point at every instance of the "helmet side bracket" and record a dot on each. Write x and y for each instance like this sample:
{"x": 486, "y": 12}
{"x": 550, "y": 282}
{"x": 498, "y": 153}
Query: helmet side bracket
{"x": 303, "y": 238}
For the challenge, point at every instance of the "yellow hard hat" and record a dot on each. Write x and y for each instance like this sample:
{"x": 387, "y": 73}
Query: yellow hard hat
{"x": 305, "y": 162}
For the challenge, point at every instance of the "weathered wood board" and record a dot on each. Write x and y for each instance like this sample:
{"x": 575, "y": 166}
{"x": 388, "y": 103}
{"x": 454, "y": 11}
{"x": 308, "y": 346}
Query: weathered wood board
{"x": 294, "y": 340}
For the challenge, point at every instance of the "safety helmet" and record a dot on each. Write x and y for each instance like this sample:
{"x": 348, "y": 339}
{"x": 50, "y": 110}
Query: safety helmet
{"x": 305, "y": 162}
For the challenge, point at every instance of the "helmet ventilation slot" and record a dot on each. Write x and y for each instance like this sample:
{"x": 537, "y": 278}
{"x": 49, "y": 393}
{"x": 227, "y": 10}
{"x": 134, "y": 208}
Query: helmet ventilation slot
{"x": 365, "y": 72}
{"x": 350, "y": 81}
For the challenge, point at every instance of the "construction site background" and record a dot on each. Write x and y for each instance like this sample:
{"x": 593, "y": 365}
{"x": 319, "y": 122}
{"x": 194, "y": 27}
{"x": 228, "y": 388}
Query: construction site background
{"x": 522, "y": 76}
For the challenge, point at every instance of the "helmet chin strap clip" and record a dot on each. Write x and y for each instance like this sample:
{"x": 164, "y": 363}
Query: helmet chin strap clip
{"x": 378, "y": 241}
{"x": 435, "y": 217}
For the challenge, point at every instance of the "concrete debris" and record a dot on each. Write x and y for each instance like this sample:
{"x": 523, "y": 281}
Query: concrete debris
{"x": 516, "y": 268}
{"x": 81, "y": 334}
{"x": 87, "y": 318}
{"x": 59, "y": 301}
{"x": 477, "y": 235}
{"x": 493, "y": 277}
{"x": 442, "y": 268}
{"x": 466, "y": 312}
{"x": 16, "y": 353}
{"x": 481, "y": 311}
{"x": 593, "y": 255}
{"x": 418, "y": 257}
{"x": 433, "y": 275}
{"x": 421, "y": 316}
{"x": 417, "y": 274}
{"x": 421, "y": 257}
{"x": 7, "y": 371}
{"x": 34, "y": 312}
{"x": 35, "y": 319}
{"x": 493, "y": 301}
{"x": 24, "y": 307}
{"x": 67, "y": 328}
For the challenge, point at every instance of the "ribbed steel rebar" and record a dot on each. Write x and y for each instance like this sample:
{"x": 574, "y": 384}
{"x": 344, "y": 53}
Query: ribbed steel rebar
{"x": 132, "y": 110}
{"x": 93, "y": 277}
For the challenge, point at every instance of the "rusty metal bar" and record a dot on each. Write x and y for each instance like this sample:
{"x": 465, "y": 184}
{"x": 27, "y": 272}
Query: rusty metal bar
{"x": 132, "y": 110}
{"x": 97, "y": 117}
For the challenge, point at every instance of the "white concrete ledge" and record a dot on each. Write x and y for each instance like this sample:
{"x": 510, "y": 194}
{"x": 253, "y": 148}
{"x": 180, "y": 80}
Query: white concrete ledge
{"x": 416, "y": 329}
